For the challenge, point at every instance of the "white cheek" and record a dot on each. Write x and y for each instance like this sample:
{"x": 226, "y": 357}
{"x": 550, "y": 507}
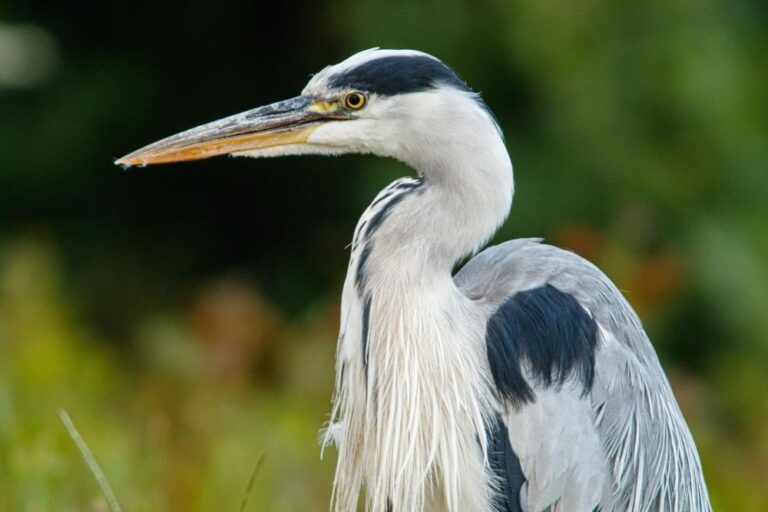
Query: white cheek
{"x": 356, "y": 136}
{"x": 333, "y": 133}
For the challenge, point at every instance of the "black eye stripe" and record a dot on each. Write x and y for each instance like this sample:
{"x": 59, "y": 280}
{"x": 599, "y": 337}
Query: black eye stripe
{"x": 389, "y": 76}
{"x": 402, "y": 74}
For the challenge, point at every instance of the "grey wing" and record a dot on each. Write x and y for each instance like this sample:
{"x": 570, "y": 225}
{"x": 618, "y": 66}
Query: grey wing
{"x": 589, "y": 412}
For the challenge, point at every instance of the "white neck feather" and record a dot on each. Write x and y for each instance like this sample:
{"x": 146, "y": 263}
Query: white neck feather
{"x": 468, "y": 189}
{"x": 412, "y": 416}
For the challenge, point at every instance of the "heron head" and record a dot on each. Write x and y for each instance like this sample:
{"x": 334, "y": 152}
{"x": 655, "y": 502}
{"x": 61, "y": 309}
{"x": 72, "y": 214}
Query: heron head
{"x": 397, "y": 103}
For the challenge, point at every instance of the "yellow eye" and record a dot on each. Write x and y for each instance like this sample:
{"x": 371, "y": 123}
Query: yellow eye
{"x": 354, "y": 100}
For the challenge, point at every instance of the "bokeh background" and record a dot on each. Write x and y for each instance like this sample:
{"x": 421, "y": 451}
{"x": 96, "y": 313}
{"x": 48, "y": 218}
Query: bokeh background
{"x": 185, "y": 316}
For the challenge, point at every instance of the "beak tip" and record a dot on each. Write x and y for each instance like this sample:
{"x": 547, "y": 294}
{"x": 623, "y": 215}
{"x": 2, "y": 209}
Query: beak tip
{"x": 128, "y": 161}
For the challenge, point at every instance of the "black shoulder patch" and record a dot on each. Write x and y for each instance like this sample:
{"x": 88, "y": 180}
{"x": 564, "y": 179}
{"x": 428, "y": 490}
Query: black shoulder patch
{"x": 398, "y": 74}
{"x": 550, "y": 332}
{"x": 505, "y": 465}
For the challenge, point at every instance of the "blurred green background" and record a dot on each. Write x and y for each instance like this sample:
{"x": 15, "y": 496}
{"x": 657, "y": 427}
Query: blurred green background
{"x": 186, "y": 315}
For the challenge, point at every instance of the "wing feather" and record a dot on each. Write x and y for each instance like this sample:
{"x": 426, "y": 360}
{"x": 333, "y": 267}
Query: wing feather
{"x": 623, "y": 445}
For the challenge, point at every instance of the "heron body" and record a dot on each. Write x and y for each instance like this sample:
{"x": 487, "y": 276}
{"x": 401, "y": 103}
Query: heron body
{"x": 524, "y": 382}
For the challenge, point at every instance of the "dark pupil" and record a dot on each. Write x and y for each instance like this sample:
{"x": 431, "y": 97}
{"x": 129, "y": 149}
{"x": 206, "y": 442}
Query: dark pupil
{"x": 354, "y": 99}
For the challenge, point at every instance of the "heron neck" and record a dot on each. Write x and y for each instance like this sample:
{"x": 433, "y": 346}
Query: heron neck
{"x": 413, "y": 341}
{"x": 467, "y": 195}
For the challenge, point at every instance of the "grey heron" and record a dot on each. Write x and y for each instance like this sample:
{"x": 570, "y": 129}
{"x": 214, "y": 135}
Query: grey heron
{"x": 522, "y": 382}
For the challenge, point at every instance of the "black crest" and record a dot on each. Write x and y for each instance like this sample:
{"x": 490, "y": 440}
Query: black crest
{"x": 398, "y": 74}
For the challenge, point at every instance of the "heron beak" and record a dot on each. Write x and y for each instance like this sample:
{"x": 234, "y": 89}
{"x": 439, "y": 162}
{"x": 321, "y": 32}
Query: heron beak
{"x": 279, "y": 124}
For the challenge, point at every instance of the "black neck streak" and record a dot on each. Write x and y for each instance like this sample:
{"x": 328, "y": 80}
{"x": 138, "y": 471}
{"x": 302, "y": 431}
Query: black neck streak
{"x": 387, "y": 200}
